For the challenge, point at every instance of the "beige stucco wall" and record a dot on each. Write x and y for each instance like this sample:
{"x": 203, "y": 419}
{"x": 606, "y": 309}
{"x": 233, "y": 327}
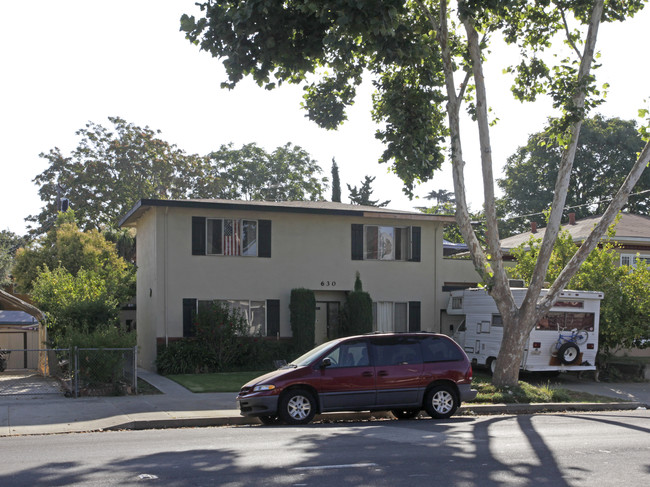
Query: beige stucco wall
{"x": 308, "y": 250}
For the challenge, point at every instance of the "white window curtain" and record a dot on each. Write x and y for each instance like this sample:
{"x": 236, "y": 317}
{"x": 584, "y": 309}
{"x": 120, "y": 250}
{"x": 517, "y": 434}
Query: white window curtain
{"x": 384, "y": 316}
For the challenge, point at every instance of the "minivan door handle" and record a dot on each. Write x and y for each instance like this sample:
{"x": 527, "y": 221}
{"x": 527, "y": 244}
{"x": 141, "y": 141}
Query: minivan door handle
{"x": 382, "y": 373}
{"x": 367, "y": 373}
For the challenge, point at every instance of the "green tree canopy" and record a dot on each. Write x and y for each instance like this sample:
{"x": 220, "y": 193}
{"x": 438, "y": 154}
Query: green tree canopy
{"x": 361, "y": 196}
{"x": 66, "y": 246}
{"x": 250, "y": 173}
{"x": 606, "y": 151}
{"x": 336, "y": 182}
{"x": 111, "y": 169}
{"x": 9, "y": 244}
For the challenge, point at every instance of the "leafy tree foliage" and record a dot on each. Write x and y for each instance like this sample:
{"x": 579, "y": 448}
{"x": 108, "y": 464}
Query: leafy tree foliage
{"x": 250, "y": 173}
{"x": 81, "y": 302}
{"x": 111, "y": 169}
{"x": 66, "y": 246}
{"x": 426, "y": 61}
{"x": 606, "y": 151}
{"x": 361, "y": 196}
{"x": 9, "y": 244}
{"x": 441, "y": 196}
{"x": 625, "y": 307}
{"x": 76, "y": 278}
{"x": 336, "y": 182}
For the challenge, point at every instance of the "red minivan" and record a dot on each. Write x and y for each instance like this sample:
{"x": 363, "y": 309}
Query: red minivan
{"x": 400, "y": 372}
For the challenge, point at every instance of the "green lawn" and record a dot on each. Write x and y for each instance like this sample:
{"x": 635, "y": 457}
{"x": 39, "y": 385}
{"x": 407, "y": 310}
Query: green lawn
{"x": 488, "y": 394}
{"x": 217, "y": 382}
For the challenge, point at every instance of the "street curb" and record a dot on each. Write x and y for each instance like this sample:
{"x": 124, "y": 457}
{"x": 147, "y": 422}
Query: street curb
{"x": 478, "y": 410}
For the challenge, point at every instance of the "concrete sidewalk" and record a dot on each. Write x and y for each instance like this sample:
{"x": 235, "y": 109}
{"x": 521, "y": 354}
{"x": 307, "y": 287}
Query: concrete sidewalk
{"x": 178, "y": 407}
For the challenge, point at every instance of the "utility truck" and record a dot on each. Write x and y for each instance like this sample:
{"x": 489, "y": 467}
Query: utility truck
{"x": 565, "y": 339}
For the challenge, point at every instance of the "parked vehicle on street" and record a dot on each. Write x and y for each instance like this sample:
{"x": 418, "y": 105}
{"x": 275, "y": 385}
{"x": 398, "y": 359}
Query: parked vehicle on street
{"x": 565, "y": 339}
{"x": 400, "y": 372}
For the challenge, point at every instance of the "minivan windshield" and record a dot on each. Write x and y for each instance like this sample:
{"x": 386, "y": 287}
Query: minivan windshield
{"x": 313, "y": 353}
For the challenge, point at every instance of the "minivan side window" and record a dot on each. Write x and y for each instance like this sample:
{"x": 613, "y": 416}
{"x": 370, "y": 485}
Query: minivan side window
{"x": 396, "y": 351}
{"x": 437, "y": 349}
{"x": 350, "y": 354}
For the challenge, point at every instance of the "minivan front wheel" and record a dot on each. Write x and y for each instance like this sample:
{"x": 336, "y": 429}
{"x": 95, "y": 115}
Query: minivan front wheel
{"x": 297, "y": 406}
{"x": 441, "y": 402}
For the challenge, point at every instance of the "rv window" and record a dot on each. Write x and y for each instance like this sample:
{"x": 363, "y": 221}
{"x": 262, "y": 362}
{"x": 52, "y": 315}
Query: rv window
{"x": 457, "y": 303}
{"x": 567, "y": 321}
{"x": 497, "y": 320}
{"x": 569, "y": 304}
{"x": 581, "y": 321}
{"x": 462, "y": 327}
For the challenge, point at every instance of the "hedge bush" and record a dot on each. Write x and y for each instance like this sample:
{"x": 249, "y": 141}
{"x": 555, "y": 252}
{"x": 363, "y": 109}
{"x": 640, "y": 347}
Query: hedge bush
{"x": 303, "y": 319}
{"x": 356, "y": 317}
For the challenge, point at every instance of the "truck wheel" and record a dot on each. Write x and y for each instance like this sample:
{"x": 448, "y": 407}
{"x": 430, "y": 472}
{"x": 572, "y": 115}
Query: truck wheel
{"x": 568, "y": 353}
{"x": 441, "y": 402}
{"x": 297, "y": 406}
{"x": 492, "y": 365}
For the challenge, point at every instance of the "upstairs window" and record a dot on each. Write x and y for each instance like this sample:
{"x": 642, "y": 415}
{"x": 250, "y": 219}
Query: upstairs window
{"x": 376, "y": 242}
{"x": 229, "y": 236}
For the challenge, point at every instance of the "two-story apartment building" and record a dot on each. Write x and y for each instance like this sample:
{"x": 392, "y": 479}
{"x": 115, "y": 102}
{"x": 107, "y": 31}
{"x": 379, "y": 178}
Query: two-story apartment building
{"x": 252, "y": 254}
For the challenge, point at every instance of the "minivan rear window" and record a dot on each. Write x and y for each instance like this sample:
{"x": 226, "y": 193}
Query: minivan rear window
{"x": 438, "y": 349}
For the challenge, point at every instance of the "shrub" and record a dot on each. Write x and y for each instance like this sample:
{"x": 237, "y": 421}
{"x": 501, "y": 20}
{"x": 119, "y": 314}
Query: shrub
{"x": 303, "y": 319}
{"x": 101, "y": 367}
{"x": 222, "y": 330}
{"x": 187, "y": 356}
{"x": 357, "y": 312}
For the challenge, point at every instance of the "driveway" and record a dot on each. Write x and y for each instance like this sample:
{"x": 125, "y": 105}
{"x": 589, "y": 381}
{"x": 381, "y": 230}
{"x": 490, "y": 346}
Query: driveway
{"x": 27, "y": 382}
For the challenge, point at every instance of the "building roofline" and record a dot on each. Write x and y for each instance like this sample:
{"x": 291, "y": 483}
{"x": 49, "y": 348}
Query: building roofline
{"x": 309, "y": 207}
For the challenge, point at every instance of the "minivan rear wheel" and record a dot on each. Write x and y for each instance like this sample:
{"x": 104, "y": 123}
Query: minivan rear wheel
{"x": 297, "y": 406}
{"x": 441, "y": 402}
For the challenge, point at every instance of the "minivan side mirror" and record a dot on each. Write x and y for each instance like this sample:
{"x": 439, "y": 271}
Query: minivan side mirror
{"x": 326, "y": 362}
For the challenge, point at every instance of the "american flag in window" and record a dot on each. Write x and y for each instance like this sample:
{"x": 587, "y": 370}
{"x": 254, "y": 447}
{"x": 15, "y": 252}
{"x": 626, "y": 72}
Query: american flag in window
{"x": 231, "y": 237}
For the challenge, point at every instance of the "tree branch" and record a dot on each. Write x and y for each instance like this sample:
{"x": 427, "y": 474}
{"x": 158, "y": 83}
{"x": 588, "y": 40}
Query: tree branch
{"x": 566, "y": 166}
{"x": 568, "y": 35}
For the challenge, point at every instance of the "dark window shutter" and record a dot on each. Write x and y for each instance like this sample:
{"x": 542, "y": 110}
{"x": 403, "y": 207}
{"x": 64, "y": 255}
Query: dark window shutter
{"x": 198, "y": 235}
{"x": 272, "y": 317}
{"x": 357, "y": 241}
{"x": 189, "y": 314}
{"x": 414, "y": 316}
{"x": 264, "y": 237}
{"x": 416, "y": 245}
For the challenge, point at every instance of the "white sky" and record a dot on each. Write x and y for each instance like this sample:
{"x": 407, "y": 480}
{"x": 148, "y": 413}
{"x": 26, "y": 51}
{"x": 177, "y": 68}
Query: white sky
{"x": 65, "y": 63}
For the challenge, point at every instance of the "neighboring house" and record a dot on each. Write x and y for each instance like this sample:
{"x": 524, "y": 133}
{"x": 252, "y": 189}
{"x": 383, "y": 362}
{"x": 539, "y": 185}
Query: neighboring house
{"x": 251, "y": 254}
{"x": 19, "y": 331}
{"x": 632, "y": 236}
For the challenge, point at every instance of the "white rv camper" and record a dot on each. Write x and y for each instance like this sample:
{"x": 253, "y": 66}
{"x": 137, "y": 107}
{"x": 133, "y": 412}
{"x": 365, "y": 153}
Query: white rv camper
{"x": 565, "y": 339}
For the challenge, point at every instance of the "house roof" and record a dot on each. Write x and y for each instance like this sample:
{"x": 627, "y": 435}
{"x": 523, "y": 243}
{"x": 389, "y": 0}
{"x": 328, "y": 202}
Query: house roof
{"x": 313, "y": 207}
{"x": 16, "y": 318}
{"x": 631, "y": 228}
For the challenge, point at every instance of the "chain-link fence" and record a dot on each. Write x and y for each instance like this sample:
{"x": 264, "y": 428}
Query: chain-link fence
{"x": 73, "y": 372}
